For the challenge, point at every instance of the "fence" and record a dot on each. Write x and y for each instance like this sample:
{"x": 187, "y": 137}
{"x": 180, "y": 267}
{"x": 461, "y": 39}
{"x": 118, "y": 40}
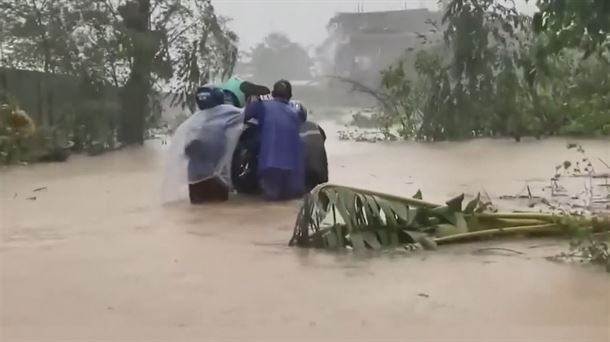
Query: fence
{"x": 47, "y": 98}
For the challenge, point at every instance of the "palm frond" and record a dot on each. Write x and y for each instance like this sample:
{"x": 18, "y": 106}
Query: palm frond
{"x": 335, "y": 216}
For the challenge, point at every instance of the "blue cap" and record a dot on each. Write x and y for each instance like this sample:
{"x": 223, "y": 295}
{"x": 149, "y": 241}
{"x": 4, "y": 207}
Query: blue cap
{"x": 209, "y": 96}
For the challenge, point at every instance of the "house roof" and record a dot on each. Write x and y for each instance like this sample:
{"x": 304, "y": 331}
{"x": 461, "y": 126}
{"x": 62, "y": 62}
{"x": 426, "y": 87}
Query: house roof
{"x": 412, "y": 20}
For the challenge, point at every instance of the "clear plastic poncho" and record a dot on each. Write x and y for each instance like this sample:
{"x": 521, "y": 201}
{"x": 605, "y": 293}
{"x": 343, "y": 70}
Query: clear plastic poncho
{"x": 204, "y": 126}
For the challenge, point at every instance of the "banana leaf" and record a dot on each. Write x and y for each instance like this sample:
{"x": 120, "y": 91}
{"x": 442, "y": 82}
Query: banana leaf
{"x": 335, "y": 216}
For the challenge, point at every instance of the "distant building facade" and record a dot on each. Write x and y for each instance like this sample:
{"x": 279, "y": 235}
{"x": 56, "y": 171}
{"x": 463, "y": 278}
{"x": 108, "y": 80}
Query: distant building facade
{"x": 360, "y": 45}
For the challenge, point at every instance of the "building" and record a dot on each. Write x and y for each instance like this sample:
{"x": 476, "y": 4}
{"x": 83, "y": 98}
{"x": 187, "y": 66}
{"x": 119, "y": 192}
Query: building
{"x": 360, "y": 45}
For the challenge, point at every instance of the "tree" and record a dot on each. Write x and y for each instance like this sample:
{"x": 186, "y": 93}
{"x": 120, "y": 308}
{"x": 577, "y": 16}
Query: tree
{"x": 277, "y": 57}
{"x": 501, "y": 73}
{"x": 138, "y": 46}
{"x": 164, "y": 33}
{"x": 40, "y": 36}
{"x": 583, "y": 24}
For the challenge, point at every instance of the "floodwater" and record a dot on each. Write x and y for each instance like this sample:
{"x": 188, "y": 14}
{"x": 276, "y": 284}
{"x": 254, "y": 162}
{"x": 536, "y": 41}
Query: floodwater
{"x": 93, "y": 255}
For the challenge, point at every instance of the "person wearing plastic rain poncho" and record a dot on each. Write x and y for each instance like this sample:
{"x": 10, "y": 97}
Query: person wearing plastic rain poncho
{"x": 280, "y": 160}
{"x": 199, "y": 164}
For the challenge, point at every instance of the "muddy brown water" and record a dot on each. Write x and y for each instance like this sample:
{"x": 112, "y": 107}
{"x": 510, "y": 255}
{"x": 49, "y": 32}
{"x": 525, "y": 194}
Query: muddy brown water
{"x": 96, "y": 257}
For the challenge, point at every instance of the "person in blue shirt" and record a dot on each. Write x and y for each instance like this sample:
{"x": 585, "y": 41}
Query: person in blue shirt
{"x": 280, "y": 160}
{"x": 244, "y": 167}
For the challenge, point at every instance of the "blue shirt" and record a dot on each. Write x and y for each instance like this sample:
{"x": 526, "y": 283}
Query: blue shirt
{"x": 279, "y": 124}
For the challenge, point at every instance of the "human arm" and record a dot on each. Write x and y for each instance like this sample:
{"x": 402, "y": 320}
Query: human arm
{"x": 253, "y": 110}
{"x": 322, "y": 133}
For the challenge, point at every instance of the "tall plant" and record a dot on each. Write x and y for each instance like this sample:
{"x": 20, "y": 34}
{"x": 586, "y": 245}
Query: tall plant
{"x": 138, "y": 46}
{"x": 500, "y": 73}
{"x": 167, "y": 33}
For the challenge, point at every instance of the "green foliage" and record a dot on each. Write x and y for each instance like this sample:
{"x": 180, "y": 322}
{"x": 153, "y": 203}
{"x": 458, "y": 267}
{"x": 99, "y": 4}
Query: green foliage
{"x": 400, "y": 105}
{"x": 166, "y": 33}
{"x": 436, "y": 89}
{"x": 496, "y": 77}
{"x": 581, "y": 24}
{"x": 136, "y": 46}
{"x": 206, "y": 48}
{"x": 339, "y": 217}
{"x": 277, "y": 57}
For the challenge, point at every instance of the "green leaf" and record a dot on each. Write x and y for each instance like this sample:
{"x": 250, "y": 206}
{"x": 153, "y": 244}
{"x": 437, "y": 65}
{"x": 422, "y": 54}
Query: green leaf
{"x": 372, "y": 211}
{"x": 537, "y": 23}
{"x": 339, "y": 234}
{"x": 423, "y": 239}
{"x": 357, "y": 241}
{"x": 461, "y": 224}
{"x": 388, "y": 212}
{"x": 444, "y": 229}
{"x": 455, "y": 204}
{"x": 384, "y": 237}
{"x": 330, "y": 240}
{"x": 394, "y": 240}
{"x": 410, "y": 235}
{"x": 421, "y": 217}
{"x": 445, "y": 213}
{"x": 340, "y": 205}
{"x": 472, "y": 205}
{"x": 371, "y": 240}
{"x": 418, "y": 195}
{"x": 427, "y": 243}
{"x": 401, "y": 210}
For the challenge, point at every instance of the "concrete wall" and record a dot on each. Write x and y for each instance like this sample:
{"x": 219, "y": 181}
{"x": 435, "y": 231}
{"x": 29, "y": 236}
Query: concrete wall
{"x": 47, "y": 98}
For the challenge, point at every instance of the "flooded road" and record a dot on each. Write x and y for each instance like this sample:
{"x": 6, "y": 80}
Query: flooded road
{"x": 94, "y": 256}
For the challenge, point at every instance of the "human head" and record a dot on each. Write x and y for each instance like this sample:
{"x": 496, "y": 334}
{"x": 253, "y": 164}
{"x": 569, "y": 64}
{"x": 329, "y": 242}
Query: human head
{"x": 209, "y": 96}
{"x": 282, "y": 89}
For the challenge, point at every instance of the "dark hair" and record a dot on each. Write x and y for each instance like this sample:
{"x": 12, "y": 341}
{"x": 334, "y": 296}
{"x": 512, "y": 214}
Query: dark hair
{"x": 282, "y": 89}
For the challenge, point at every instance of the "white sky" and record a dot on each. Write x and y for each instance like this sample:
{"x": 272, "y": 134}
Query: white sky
{"x": 304, "y": 21}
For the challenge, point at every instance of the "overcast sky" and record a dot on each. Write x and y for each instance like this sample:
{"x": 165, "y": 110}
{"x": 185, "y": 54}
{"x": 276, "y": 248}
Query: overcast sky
{"x": 304, "y": 21}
